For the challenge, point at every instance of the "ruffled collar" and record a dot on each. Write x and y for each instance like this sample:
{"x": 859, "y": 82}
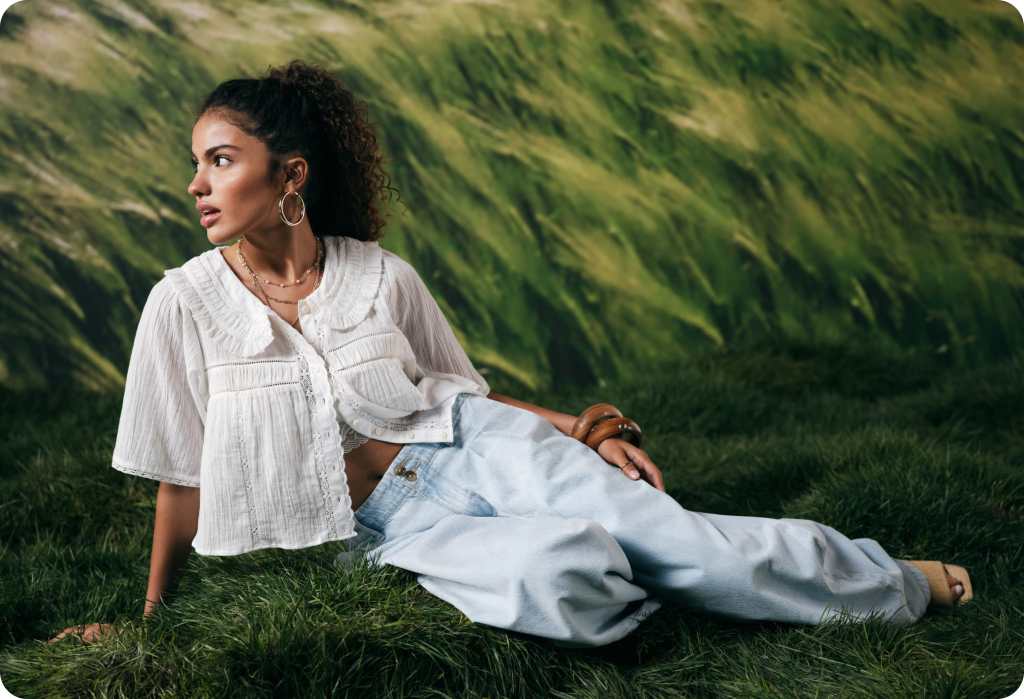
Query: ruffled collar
{"x": 225, "y": 307}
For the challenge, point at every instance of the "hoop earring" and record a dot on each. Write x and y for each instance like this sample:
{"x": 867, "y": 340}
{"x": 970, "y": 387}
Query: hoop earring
{"x": 280, "y": 206}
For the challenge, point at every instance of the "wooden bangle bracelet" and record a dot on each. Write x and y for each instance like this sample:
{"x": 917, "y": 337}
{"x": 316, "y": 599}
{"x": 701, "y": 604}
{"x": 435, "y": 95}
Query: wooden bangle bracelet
{"x": 591, "y": 416}
{"x": 622, "y": 427}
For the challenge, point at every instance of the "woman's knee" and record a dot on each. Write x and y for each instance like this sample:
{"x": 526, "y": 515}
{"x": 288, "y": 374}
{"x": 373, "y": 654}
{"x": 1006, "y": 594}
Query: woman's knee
{"x": 581, "y": 580}
{"x": 575, "y": 557}
{"x": 577, "y": 542}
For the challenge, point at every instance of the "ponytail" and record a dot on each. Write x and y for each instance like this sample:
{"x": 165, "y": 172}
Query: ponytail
{"x": 303, "y": 108}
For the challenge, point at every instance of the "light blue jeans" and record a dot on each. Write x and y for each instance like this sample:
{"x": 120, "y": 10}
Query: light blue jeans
{"x": 522, "y": 527}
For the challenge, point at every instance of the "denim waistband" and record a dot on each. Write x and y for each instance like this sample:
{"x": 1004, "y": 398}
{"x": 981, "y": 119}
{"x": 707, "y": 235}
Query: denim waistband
{"x": 407, "y": 471}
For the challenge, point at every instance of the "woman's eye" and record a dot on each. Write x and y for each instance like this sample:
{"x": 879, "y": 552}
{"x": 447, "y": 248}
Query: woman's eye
{"x": 219, "y": 155}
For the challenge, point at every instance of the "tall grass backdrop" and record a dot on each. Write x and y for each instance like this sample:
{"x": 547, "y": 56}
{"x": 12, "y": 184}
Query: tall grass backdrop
{"x": 588, "y": 188}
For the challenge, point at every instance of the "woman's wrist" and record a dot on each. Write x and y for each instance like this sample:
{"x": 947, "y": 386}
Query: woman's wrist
{"x": 603, "y": 421}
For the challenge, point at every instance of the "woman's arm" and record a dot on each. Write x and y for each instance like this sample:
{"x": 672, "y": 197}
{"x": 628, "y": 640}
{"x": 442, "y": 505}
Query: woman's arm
{"x": 633, "y": 460}
{"x": 562, "y": 421}
{"x": 174, "y": 527}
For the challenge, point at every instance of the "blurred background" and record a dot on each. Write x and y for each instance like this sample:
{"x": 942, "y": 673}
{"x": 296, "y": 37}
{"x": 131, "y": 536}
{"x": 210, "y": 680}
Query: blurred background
{"x": 590, "y": 189}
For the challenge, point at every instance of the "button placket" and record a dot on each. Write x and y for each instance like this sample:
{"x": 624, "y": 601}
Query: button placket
{"x": 317, "y": 373}
{"x": 307, "y": 374}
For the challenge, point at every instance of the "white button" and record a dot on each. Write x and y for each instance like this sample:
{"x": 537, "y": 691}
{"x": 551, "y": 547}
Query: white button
{"x": 376, "y": 430}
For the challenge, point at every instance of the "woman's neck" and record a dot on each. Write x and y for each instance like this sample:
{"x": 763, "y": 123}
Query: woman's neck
{"x": 281, "y": 260}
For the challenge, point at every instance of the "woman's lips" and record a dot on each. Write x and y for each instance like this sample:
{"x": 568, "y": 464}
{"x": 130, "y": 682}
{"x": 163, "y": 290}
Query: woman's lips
{"x": 207, "y": 220}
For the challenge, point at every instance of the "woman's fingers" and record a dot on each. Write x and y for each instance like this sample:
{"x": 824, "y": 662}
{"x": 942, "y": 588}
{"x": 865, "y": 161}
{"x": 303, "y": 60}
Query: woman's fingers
{"x": 86, "y": 632}
{"x": 614, "y": 452}
{"x": 632, "y": 461}
{"x": 652, "y": 474}
{"x": 629, "y": 467}
{"x": 70, "y": 630}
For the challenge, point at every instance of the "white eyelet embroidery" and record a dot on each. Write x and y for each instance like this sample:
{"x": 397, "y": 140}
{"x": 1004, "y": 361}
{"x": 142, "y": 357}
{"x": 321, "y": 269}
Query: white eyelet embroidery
{"x": 361, "y": 338}
{"x": 246, "y": 363}
{"x": 249, "y": 499}
{"x": 155, "y": 476}
{"x": 399, "y": 424}
{"x": 307, "y": 386}
{"x": 352, "y": 439}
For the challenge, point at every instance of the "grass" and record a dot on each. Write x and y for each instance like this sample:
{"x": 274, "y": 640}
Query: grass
{"x": 896, "y": 445}
{"x": 682, "y": 171}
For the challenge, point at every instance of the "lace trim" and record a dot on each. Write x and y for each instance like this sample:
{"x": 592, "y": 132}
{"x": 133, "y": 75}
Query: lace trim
{"x": 358, "y": 270}
{"x": 349, "y": 438}
{"x": 241, "y": 330}
{"x": 352, "y": 438}
{"x": 125, "y": 468}
{"x": 413, "y": 420}
{"x": 360, "y": 276}
{"x": 249, "y": 499}
{"x": 307, "y": 387}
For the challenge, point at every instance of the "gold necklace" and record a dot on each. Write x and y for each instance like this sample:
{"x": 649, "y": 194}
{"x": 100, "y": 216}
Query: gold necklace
{"x": 283, "y": 285}
{"x": 257, "y": 281}
{"x": 293, "y": 323}
{"x": 267, "y": 297}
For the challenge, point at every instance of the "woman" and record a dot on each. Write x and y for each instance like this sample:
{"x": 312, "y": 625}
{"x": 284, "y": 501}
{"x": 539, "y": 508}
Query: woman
{"x": 262, "y": 366}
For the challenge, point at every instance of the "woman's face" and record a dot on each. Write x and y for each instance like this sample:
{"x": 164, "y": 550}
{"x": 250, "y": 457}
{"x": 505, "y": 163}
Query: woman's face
{"x": 231, "y": 175}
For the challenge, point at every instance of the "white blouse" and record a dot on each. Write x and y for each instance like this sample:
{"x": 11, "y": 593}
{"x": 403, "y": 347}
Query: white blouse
{"x": 222, "y": 394}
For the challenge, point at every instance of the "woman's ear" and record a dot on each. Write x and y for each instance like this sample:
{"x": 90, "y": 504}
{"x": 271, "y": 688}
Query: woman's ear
{"x": 296, "y": 171}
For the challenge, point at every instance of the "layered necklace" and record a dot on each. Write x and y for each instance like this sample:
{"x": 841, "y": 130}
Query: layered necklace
{"x": 259, "y": 282}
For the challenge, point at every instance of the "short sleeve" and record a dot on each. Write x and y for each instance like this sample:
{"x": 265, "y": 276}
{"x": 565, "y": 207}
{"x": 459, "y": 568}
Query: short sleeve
{"x": 421, "y": 320}
{"x": 160, "y": 432}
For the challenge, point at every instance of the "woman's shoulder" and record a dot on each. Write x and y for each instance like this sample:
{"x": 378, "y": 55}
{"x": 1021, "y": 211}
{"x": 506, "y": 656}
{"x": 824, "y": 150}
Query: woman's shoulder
{"x": 392, "y": 258}
{"x": 163, "y": 297}
{"x": 397, "y": 270}
{"x": 160, "y": 325}
{"x": 172, "y": 291}
{"x": 194, "y": 283}
{"x": 169, "y": 297}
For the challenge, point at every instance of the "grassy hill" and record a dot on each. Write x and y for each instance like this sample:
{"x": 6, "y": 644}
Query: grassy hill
{"x": 891, "y": 446}
{"x": 588, "y": 188}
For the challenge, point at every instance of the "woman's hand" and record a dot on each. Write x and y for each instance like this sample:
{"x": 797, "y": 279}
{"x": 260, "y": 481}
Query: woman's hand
{"x": 86, "y": 632}
{"x": 618, "y": 452}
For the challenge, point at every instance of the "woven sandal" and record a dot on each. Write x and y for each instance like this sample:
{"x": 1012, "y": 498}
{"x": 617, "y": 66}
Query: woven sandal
{"x": 942, "y": 594}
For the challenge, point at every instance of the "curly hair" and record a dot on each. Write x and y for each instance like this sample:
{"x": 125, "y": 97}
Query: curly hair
{"x": 302, "y": 107}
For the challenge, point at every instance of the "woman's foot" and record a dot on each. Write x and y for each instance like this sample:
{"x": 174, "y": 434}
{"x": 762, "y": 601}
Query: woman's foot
{"x": 949, "y": 584}
{"x": 955, "y": 586}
